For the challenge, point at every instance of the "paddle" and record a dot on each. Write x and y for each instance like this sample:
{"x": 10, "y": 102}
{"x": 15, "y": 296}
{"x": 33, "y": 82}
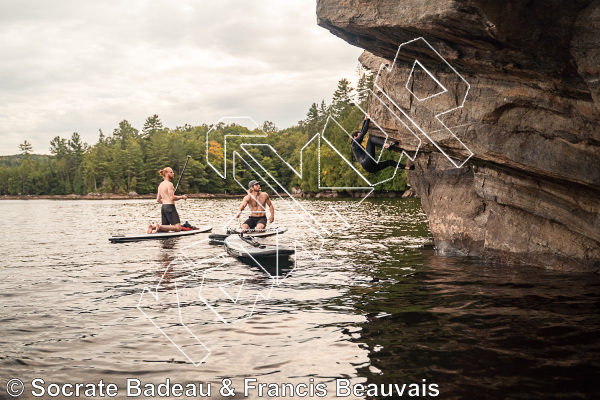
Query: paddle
{"x": 181, "y": 175}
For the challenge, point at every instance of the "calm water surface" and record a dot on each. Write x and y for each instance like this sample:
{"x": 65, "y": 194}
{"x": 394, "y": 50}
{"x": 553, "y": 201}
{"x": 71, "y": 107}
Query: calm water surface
{"x": 378, "y": 306}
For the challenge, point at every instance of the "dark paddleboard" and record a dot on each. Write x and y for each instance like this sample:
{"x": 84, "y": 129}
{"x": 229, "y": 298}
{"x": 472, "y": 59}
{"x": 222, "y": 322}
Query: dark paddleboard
{"x": 220, "y": 237}
{"x": 155, "y": 236}
{"x": 252, "y": 248}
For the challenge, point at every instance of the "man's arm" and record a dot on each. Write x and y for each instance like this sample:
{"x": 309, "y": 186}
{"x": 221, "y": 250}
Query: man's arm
{"x": 365, "y": 128}
{"x": 158, "y": 197}
{"x": 271, "y": 209}
{"x": 242, "y": 206}
{"x": 171, "y": 191}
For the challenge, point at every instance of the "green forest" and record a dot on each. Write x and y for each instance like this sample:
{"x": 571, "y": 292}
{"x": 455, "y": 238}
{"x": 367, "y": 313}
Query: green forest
{"x": 128, "y": 160}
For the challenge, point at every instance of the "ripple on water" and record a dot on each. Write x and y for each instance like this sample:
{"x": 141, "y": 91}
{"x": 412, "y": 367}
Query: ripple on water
{"x": 377, "y": 307}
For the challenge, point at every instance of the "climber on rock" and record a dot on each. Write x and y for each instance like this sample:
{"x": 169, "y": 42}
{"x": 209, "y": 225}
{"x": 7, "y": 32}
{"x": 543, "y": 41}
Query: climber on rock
{"x": 366, "y": 156}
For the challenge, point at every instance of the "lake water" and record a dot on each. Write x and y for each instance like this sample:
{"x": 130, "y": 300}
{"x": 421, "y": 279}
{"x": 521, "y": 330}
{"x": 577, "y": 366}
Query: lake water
{"x": 372, "y": 304}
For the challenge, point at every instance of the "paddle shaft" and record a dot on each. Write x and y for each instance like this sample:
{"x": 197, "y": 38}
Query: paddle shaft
{"x": 181, "y": 175}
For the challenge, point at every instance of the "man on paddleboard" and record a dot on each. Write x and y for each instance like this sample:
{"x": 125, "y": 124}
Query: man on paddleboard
{"x": 256, "y": 200}
{"x": 166, "y": 196}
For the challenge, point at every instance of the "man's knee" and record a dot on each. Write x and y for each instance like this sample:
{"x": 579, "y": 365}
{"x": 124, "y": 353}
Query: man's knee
{"x": 177, "y": 227}
{"x": 260, "y": 226}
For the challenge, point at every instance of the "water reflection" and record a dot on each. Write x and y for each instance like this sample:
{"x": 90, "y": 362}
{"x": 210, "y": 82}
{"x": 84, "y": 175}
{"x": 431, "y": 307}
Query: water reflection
{"x": 483, "y": 331}
{"x": 378, "y": 306}
{"x": 271, "y": 267}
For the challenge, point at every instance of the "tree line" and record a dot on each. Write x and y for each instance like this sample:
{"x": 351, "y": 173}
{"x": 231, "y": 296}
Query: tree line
{"x": 128, "y": 160}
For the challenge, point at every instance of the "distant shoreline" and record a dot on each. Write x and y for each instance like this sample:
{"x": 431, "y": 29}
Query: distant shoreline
{"x": 115, "y": 196}
{"x": 110, "y": 196}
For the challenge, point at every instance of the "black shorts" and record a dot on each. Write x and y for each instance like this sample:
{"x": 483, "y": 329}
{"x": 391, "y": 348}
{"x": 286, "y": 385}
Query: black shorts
{"x": 253, "y": 221}
{"x": 169, "y": 215}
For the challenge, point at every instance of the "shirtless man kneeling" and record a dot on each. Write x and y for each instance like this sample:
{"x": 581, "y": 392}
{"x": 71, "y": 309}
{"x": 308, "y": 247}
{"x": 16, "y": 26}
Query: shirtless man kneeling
{"x": 166, "y": 196}
{"x": 256, "y": 200}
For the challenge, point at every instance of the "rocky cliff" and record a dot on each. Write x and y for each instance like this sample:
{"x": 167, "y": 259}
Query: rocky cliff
{"x": 531, "y": 191}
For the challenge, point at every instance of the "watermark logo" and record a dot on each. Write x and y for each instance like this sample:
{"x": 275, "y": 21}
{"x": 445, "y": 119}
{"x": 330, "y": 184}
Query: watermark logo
{"x": 197, "y": 289}
{"x": 435, "y": 99}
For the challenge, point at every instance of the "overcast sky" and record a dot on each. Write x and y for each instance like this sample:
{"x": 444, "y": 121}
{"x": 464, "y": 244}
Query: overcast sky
{"x": 79, "y": 66}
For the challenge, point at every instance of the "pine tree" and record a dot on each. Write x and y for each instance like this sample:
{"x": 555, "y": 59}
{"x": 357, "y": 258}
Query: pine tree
{"x": 312, "y": 118}
{"x": 90, "y": 164}
{"x": 152, "y": 125}
{"x": 77, "y": 148}
{"x": 342, "y": 98}
{"x": 26, "y": 148}
{"x": 124, "y": 132}
{"x": 365, "y": 82}
{"x": 269, "y": 127}
{"x": 58, "y": 147}
{"x": 323, "y": 112}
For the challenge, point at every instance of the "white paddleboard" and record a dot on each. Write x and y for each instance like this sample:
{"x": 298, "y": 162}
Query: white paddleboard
{"x": 155, "y": 236}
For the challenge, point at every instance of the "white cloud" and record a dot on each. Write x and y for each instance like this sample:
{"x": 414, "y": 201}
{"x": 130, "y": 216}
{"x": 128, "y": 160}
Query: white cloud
{"x": 76, "y": 66}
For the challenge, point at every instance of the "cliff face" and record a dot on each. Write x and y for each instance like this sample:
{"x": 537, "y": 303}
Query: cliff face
{"x": 531, "y": 191}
